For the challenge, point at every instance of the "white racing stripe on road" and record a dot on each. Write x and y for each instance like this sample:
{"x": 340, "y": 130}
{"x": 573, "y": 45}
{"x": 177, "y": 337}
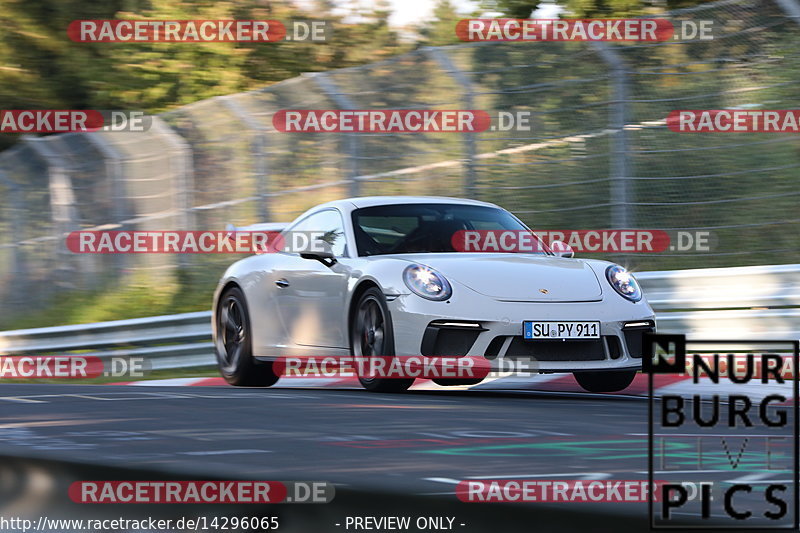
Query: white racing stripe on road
{"x": 316, "y": 382}
{"x": 15, "y": 399}
{"x": 505, "y": 382}
{"x": 489, "y": 383}
{"x": 174, "y": 382}
{"x": 225, "y": 452}
{"x": 283, "y": 382}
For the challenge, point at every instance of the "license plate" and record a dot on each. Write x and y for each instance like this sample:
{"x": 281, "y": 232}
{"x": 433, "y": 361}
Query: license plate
{"x": 550, "y": 330}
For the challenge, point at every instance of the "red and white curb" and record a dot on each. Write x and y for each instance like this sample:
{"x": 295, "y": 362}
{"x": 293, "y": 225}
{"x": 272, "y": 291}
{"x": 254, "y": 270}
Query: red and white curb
{"x": 663, "y": 384}
{"x": 297, "y": 383}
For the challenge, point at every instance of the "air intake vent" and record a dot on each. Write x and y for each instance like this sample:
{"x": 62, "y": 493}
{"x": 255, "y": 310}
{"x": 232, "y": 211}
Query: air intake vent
{"x": 448, "y": 341}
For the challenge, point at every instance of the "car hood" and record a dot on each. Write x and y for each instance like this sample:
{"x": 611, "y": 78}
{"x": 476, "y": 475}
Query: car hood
{"x": 519, "y": 278}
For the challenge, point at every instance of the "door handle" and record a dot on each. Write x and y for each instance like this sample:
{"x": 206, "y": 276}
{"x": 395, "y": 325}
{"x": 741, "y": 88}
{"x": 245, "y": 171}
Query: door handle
{"x": 282, "y": 283}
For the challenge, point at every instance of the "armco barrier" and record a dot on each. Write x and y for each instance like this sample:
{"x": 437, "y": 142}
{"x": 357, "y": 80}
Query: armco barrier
{"x": 170, "y": 341}
{"x": 770, "y": 286}
{"x": 756, "y": 302}
{"x": 759, "y": 302}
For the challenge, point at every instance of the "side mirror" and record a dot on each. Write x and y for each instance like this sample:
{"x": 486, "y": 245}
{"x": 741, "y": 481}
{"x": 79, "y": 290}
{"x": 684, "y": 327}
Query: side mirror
{"x": 321, "y": 251}
{"x": 326, "y": 254}
{"x": 562, "y": 249}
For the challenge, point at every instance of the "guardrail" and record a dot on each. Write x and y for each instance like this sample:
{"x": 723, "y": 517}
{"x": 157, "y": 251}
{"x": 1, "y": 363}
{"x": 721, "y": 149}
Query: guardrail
{"x": 756, "y": 302}
{"x": 759, "y": 302}
{"x": 170, "y": 341}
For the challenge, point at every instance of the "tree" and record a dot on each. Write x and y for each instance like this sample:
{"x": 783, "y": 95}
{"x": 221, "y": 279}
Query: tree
{"x": 441, "y": 30}
{"x": 586, "y": 8}
{"x": 42, "y": 69}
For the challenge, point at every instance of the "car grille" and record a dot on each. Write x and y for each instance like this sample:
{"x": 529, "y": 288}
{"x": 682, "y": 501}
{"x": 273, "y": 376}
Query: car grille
{"x": 589, "y": 350}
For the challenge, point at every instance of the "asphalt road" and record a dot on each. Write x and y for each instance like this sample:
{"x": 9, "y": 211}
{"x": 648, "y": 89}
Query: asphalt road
{"x": 419, "y": 443}
{"x": 400, "y": 441}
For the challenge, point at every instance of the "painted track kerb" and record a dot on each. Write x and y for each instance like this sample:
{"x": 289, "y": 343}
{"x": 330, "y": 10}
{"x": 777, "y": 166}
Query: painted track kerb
{"x": 543, "y": 383}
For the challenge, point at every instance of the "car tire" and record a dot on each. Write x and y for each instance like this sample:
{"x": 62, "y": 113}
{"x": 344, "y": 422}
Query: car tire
{"x": 233, "y": 344}
{"x": 371, "y": 334}
{"x": 605, "y": 381}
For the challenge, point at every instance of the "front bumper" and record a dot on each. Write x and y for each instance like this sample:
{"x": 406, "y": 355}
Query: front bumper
{"x": 493, "y": 329}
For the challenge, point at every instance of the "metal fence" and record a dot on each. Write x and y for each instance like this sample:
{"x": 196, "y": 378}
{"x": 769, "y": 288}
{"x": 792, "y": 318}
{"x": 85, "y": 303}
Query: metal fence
{"x": 599, "y": 154}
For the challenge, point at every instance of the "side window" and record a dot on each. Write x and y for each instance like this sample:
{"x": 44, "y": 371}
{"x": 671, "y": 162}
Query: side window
{"x": 329, "y": 222}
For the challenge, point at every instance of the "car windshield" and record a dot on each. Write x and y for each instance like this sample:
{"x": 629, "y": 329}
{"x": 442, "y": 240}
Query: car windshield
{"x": 424, "y": 228}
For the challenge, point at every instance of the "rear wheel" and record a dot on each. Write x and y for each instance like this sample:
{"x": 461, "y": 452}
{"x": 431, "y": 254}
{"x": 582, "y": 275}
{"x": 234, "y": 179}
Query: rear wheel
{"x": 233, "y": 344}
{"x": 371, "y": 335}
{"x": 605, "y": 381}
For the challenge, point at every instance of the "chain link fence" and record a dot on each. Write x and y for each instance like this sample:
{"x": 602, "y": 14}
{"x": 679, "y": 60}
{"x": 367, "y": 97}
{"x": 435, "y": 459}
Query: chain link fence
{"x": 598, "y": 155}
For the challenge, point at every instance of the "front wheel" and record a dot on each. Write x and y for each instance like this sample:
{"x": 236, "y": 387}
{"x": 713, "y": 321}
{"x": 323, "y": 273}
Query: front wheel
{"x": 605, "y": 381}
{"x": 371, "y": 335}
{"x": 233, "y": 344}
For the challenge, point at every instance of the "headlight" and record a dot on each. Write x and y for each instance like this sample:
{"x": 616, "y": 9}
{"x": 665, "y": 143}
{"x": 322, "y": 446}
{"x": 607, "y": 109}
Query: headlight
{"x": 623, "y": 283}
{"x": 426, "y": 282}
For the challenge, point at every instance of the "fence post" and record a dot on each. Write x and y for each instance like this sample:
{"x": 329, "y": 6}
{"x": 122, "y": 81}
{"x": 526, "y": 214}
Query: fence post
{"x": 260, "y": 169}
{"x": 353, "y": 141}
{"x": 619, "y": 192}
{"x": 441, "y": 57}
{"x": 62, "y": 202}
{"x": 184, "y": 182}
{"x": 113, "y": 165}
{"x": 18, "y": 212}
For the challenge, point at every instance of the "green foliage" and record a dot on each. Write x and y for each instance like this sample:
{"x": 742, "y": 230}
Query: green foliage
{"x": 519, "y": 9}
{"x": 585, "y": 8}
{"x": 40, "y": 68}
{"x": 441, "y": 30}
{"x": 188, "y": 290}
{"x": 603, "y": 8}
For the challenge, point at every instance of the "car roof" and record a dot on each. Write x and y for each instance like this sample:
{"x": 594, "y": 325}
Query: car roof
{"x": 347, "y": 205}
{"x": 371, "y": 201}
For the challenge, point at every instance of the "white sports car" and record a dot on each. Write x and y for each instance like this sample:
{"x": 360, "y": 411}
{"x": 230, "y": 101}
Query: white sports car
{"x": 388, "y": 282}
